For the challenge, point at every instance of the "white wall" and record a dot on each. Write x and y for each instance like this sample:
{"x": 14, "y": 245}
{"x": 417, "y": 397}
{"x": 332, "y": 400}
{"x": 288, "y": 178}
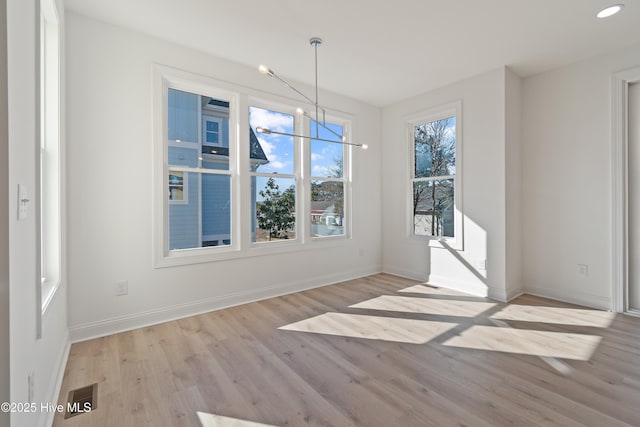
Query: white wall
{"x": 5, "y": 366}
{"x": 109, "y": 107}
{"x": 484, "y": 209}
{"x": 566, "y": 189}
{"x": 45, "y": 357}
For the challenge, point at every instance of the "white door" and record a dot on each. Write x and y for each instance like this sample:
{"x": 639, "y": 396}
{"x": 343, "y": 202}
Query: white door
{"x": 634, "y": 197}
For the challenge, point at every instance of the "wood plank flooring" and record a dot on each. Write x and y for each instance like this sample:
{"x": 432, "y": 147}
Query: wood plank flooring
{"x": 376, "y": 351}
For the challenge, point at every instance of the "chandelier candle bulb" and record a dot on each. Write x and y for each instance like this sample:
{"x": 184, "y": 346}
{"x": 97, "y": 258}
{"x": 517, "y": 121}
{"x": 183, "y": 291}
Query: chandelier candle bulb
{"x": 265, "y": 70}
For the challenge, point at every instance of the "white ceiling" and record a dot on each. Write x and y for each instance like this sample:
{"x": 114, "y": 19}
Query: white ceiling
{"x": 382, "y": 51}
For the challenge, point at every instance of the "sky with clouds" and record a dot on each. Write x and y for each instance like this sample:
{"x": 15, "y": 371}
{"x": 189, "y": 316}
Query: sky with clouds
{"x": 279, "y": 149}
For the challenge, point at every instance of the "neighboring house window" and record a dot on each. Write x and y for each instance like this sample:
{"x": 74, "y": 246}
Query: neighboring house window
{"x": 178, "y": 183}
{"x": 328, "y": 181}
{"x": 50, "y": 185}
{"x": 435, "y": 153}
{"x": 199, "y": 180}
{"x": 273, "y": 168}
{"x": 212, "y": 130}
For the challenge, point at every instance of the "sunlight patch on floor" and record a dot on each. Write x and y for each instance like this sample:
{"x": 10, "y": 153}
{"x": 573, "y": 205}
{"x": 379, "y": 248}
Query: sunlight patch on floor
{"x": 213, "y": 420}
{"x": 556, "y": 315}
{"x": 426, "y": 306}
{"x": 410, "y": 331}
{"x": 521, "y": 341}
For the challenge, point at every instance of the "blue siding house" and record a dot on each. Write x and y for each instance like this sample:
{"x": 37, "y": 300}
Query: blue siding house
{"x": 199, "y": 203}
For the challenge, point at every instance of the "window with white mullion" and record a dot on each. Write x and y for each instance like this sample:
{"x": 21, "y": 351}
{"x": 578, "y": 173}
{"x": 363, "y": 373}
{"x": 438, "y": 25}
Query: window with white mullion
{"x": 212, "y": 168}
{"x": 328, "y": 164}
{"x": 275, "y": 173}
{"x": 435, "y": 157}
{"x": 199, "y": 177}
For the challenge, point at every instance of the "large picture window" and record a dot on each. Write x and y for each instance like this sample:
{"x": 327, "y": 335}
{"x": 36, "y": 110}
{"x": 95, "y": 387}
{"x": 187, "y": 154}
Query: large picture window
{"x": 224, "y": 190}
{"x": 435, "y": 154}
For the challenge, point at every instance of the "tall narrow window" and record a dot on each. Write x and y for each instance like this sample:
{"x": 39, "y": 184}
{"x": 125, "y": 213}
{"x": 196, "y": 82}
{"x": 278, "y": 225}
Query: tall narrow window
{"x": 328, "y": 182}
{"x": 50, "y": 216}
{"x": 273, "y": 169}
{"x": 198, "y": 175}
{"x": 435, "y": 149}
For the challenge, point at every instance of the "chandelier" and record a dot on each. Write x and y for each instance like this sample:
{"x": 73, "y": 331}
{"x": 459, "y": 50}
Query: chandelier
{"x": 320, "y": 111}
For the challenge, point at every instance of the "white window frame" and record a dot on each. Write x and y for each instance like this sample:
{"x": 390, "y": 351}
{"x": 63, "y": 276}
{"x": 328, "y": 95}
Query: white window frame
{"x": 50, "y": 187}
{"x": 346, "y": 179}
{"x": 297, "y": 172}
{"x": 620, "y": 82}
{"x": 426, "y": 116}
{"x": 165, "y": 78}
{"x": 240, "y": 98}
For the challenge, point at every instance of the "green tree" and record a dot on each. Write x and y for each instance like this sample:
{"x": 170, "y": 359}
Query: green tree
{"x": 434, "y": 156}
{"x": 276, "y": 211}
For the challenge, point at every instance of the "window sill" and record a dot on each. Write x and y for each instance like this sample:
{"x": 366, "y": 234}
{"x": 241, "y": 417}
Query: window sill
{"x": 206, "y": 255}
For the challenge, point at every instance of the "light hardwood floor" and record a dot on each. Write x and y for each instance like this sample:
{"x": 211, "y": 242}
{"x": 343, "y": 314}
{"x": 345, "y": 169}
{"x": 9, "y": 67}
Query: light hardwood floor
{"x": 376, "y": 351}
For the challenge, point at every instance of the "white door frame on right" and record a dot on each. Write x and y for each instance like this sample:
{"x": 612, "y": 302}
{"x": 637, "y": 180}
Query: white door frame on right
{"x": 620, "y": 82}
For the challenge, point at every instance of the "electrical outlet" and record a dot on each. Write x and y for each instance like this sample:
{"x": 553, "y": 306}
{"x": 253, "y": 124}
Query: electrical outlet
{"x": 31, "y": 383}
{"x": 482, "y": 263}
{"x": 583, "y": 270}
{"x": 122, "y": 288}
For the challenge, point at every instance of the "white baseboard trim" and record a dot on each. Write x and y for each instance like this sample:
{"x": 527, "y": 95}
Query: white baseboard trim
{"x": 501, "y": 295}
{"x": 129, "y": 322}
{"x": 404, "y": 273}
{"x": 477, "y": 289}
{"x": 46, "y": 419}
{"x": 514, "y": 290}
{"x": 584, "y": 299}
{"x": 497, "y": 294}
{"x": 457, "y": 285}
{"x": 513, "y": 295}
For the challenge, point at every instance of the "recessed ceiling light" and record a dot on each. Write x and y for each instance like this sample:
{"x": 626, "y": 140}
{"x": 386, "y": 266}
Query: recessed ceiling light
{"x": 609, "y": 11}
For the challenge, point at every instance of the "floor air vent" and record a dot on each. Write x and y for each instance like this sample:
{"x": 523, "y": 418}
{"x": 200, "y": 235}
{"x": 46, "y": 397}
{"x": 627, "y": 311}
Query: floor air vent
{"x": 82, "y": 400}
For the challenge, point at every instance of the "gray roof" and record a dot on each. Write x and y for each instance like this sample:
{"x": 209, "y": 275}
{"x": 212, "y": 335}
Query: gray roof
{"x": 255, "y": 148}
